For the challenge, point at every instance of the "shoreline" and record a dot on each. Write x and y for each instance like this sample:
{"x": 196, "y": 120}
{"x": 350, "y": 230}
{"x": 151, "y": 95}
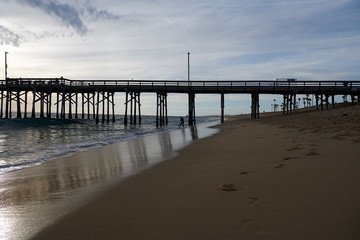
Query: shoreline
{"x": 56, "y": 187}
{"x": 48, "y": 133}
{"x": 252, "y": 180}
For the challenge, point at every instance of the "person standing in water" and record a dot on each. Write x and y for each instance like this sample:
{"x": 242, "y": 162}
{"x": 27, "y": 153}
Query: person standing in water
{"x": 181, "y": 122}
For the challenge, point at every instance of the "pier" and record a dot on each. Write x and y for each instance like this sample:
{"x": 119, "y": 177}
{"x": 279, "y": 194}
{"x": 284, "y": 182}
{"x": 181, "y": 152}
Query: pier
{"x": 86, "y": 97}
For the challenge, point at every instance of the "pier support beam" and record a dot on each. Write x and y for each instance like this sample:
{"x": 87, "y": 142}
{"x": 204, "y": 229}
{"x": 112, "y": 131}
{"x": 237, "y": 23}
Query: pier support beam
{"x": 255, "y": 113}
{"x": 70, "y": 107}
{"x": 321, "y": 102}
{"x": 88, "y": 105}
{"x": 222, "y": 107}
{"x": 134, "y": 99}
{"x": 93, "y": 103}
{"x": 161, "y": 109}
{"x": 192, "y": 119}
{"x": 110, "y": 100}
{"x": 26, "y": 102}
{"x": 289, "y": 104}
{"x": 105, "y": 97}
{"x": 83, "y": 106}
{"x": 33, "y": 104}
{"x": 327, "y": 101}
{"x": 18, "y": 98}
{"x": 284, "y": 105}
{"x": 88, "y": 99}
{"x": 63, "y": 98}
{"x": 2, "y": 103}
{"x": 97, "y": 107}
{"x": 48, "y": 102}
{"x": 57, "y": 104}
{"x": 103, "y": 106}
{"x": 113, "y": 106}
{"x": 76, "y": 105}
{"x": 8, "y": 97}
{"x": 42, "y": 100}
{"x": 108, "y": 107}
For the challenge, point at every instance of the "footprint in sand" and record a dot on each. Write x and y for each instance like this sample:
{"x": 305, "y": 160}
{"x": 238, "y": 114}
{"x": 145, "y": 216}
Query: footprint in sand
{"x": 246, "y": 223}
{"x": 279, "y": 166}
{"x": 228, "y": 187}
{"x": 294, "y": 149}
{"x": 289, "y": 158}
{"x": 249, "y": 224}
{"x": 253, "y": 200}
{"x": 312, "y": 153}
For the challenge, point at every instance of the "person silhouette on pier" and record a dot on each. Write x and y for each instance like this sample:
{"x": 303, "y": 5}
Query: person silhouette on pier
{"x": 181, "y": 122}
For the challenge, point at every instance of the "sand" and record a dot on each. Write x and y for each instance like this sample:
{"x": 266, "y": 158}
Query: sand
{"x": 280, "y": 177}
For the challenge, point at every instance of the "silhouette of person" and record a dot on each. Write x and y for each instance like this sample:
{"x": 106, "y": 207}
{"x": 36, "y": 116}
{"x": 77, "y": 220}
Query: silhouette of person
{"x": 181, "y": 122}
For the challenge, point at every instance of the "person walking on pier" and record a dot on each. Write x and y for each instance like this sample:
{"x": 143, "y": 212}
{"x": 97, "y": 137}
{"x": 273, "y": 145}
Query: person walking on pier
{"x": 181, "y": 122}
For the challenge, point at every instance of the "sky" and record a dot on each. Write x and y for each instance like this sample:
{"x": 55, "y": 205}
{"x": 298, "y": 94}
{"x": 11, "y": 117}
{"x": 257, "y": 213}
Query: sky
{"x": 150, "y": 39}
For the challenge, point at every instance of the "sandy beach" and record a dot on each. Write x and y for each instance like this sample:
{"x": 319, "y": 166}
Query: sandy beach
{"x": 279, "y": 177}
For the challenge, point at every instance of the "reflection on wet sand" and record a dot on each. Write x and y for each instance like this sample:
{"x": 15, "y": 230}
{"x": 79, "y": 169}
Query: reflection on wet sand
{"x": 194, "y": 133}
{"x": 137, "y": 152}
{"x": 39, "y": 192}
{"x": 165, "y": 142}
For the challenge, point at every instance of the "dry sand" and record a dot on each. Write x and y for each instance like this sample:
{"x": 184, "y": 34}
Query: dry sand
{"x": 280, "y": 177}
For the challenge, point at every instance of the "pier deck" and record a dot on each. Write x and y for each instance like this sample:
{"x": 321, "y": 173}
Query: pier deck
{"x": 96, "y": 92}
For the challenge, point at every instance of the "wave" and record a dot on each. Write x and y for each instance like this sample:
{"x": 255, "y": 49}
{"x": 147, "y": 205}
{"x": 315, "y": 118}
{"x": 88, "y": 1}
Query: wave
{"x": 35, "y": 122}
{"x": 28, "y": 142}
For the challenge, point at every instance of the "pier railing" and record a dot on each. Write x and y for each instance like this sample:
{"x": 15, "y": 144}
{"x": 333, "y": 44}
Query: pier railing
{"x": 181, "y": 83}
{"x": 262, "y": 86}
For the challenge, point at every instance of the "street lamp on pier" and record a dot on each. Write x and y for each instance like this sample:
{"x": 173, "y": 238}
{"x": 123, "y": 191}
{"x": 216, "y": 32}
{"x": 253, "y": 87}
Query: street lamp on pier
{"x": 6, "y": 53}
{"x": 188, "y": 67}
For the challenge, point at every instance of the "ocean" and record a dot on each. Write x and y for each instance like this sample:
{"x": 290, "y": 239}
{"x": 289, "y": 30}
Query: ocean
{"x": 29, "y": 142}
{"x": 38, "y": 184}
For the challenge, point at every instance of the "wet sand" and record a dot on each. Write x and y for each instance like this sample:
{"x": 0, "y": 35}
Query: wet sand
{"x": 35, "y": 197}
{"x": 280, "y": 177}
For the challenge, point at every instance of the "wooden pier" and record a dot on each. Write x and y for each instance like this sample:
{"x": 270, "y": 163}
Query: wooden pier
{"x": 87, "y": 96}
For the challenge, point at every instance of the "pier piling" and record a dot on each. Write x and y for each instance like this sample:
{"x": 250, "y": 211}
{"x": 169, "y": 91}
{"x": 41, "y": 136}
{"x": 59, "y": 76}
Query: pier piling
{"x": 191, "y": 103}
{"x": 222, "y": 107}
{"x": 255, "y": 106}
{"x": 161, "y": 109}
{"x": 134, "y": 99}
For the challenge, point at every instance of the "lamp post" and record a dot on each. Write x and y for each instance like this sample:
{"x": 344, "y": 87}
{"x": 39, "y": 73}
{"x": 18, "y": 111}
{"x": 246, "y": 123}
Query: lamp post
{"x": 188, "y": 67}
{"x": 6, "y": 53}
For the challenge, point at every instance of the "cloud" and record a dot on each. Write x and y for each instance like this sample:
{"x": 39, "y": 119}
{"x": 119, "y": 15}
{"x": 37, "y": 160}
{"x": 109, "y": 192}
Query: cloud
{"x": 71, "y": 16}
{"x": 66, "y": 13}
{"x": 9, "y": 37}
{"x": 95, "y": 14}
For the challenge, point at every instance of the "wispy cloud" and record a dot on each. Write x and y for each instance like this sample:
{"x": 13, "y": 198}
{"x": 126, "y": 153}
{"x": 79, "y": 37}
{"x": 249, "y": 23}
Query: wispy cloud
{"x": 9, "y": 37}
{"x": 95, "y": 14}
{"x": 66, "y": 13}
{"x": 71, "y": 16}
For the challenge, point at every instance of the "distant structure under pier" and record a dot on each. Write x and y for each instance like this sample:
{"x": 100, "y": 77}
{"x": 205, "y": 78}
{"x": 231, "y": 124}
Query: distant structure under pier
{"x": 94, "y": 99}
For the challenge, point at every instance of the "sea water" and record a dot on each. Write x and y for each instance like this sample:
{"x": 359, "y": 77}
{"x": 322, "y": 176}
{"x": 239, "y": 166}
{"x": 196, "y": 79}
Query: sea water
{"x": 29, "y": 142}
{"x": 32, "y": 197}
